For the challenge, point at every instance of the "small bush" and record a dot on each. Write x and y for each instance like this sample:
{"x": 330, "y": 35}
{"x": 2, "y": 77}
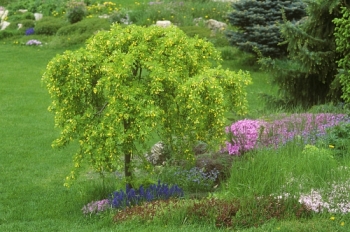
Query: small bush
{"x": 28, "y": 23}
{"x": 191, "y": 180}
{"x": 76, "y": 11}
{"x": 86, "y": 26}
{"x": 7, "y": 34}
{"x": 338, "y": 139}
{"x": 78, "y": 33}
{"x": 48, "y": 26}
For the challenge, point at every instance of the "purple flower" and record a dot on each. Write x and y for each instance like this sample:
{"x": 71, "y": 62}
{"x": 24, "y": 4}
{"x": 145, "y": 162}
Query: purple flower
{"x": 96, "y": 206}
{"x": 30, "y": 31}
{"x": 248, "y": 134}
{"x": 244, "y": 135}
{"x": 33, "y": 42}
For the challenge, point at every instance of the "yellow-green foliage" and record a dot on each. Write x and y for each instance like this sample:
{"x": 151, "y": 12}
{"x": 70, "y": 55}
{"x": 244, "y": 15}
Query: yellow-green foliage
{"x": 130, "y": 82}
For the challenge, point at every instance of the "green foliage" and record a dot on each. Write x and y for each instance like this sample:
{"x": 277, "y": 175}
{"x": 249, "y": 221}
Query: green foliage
{"x": 342, "y": 35}
{"x": 338, "y": 139}
{"x": 7, "y": 33}
{"x": 120, "y": 16}
{"x": 48, "y": 25}
{"x": 4, "y": 2}
{"x": 192, "y": 31}
{"x": 181, "y": 13}
{"x": 28, "y": 23}
{"x": 86, "y": 26}
{"x": 258, "y": 26}
{"x": 129, "y": 83}
{"x": 20, "y": 16}
{"x": 37, "y": 6}
{"x": 308, "y": 76}
{"x": 76, "y": 11}
{"x": 78, "y": 33}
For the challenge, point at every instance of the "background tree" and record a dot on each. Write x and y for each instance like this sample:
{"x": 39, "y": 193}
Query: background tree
{"x": 309, "y": 75}
{"x": 129, "y": 84}
{"x": 342, "y": 35}
{"x": 257, "y": 23}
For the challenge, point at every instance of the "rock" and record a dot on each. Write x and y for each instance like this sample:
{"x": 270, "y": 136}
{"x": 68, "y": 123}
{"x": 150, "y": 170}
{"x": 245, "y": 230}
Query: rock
{"x": 164, "y": 23}
{"x": 105, "y": 16}
{"x": 20, "y": 25}
{"x": 215, "y": 26}
{"x": 22, "y": 10}
{"x": 156, "y": 156}
{"x": 38, "y": 16}
{"x": 4, "y": 24}
{"x": 3, "y": 14}
{"x": 196, "y": 21}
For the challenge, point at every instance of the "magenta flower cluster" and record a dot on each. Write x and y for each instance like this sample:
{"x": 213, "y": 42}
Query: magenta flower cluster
{"x": 96, "y": 206}
{"x": 244, "y": 135}
{"x": 248, "y": 134}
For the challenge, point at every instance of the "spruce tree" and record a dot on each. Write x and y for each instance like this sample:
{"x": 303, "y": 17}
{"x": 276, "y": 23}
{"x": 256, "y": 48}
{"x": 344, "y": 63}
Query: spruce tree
{"x": 257, "y": 23}
{"x": 309, "y": 75}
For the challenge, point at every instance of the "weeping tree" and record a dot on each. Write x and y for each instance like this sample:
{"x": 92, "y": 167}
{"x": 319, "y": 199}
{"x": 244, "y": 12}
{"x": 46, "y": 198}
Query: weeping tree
{"x": 309, "y": 75}
{"x": 130, "y": 83}
{"x": 257, "y": 24}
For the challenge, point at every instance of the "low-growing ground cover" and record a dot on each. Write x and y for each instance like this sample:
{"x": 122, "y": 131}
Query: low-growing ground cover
{"x": 300, "y": 186}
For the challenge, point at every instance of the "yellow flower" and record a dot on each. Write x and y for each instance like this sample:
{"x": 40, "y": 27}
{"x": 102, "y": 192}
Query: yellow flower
{"x": 331, "y": 146}
{"x": 342, "y": 223}
{"x": 332, "y": 218}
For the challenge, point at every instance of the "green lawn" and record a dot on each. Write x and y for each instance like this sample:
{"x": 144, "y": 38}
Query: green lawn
{"x": 32, "y": 173}
{"x": 32, "y": 195}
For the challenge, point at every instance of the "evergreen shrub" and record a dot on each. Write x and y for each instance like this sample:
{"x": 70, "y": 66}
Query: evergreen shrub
{"x": 257, "y": 23}
{"x": 309, "y": 75}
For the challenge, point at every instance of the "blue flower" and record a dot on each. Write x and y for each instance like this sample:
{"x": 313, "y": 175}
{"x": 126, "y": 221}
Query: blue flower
{"x": 30, "y": 31}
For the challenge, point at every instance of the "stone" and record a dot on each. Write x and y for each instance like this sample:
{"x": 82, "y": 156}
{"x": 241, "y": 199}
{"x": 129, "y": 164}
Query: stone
{"x": 22, "y": 10}
{"x": 4, "y": 14}
{"x": 105, "y": 16}
{"x": 215, "y": 25}
{"x": 4, "y": 24}
{"x": 165, "y": 23}
{"x": 197, "y": 21}
{"x": 20, "y": 25}
{"x": 38, "y": 16}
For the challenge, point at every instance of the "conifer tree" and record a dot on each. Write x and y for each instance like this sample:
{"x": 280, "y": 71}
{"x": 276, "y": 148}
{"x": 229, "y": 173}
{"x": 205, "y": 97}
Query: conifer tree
{"x": 309, "y": 75}
{"x": 258, "y": 21}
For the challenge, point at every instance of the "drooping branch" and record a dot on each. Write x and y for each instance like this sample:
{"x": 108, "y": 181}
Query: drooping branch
{"x": 101, "y": 110}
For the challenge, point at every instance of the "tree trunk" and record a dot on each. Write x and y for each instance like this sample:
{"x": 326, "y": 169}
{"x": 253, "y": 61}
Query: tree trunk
{"x": 128, "y": 173}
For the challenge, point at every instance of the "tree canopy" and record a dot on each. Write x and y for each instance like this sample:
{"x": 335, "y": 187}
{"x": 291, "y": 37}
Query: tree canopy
{"x": 130, "y": 83}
